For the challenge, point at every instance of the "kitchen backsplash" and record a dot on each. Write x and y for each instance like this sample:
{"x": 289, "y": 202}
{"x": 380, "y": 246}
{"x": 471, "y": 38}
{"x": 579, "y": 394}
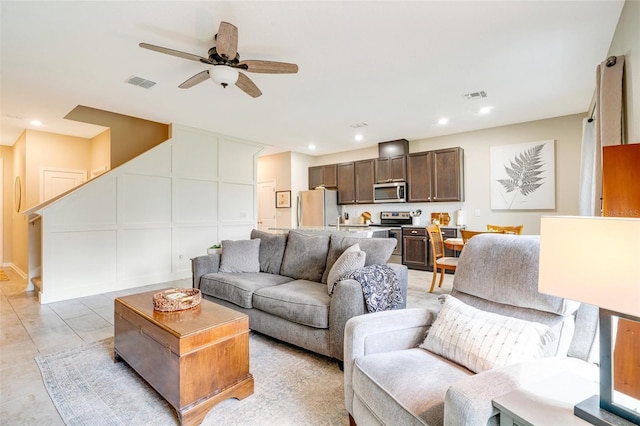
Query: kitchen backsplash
{"x": 355, "y": 210}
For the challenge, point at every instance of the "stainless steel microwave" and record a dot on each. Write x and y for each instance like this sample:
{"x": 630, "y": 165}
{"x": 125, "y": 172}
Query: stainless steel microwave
{"x": 393, "y": 192}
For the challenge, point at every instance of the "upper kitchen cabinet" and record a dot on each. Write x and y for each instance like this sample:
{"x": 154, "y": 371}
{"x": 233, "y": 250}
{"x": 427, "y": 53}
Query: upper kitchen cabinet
{"x": 419, "y": 177}
{"x": 355, "y": 182}
{"x": 435, "y": 175}
{"x": 447, "y": 182}
{"x": 326, "y": 176}
{"x": 391, "y": 169}
{"x": 365, "y": 171}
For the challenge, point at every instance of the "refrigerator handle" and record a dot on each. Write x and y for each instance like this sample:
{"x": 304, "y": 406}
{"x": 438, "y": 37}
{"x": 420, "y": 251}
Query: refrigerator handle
{"x": 299, "y": 212}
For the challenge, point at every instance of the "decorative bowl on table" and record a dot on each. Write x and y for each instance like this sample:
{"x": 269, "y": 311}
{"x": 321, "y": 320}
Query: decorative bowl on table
{"x": 176, "y": 299}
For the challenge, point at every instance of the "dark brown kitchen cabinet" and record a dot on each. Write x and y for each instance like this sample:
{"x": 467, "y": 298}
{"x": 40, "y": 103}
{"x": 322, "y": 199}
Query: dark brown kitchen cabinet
{"x": 347, "y": 183}
{"x": 365, "y": 172}
{"x": 415, "y": 248}
{"x": 326, "y": 176}
{"x": 355, "y": 182}
{"x": 435, "y": 175}
{"x": 419, "y": 177}
{"x": 391, "y": 169}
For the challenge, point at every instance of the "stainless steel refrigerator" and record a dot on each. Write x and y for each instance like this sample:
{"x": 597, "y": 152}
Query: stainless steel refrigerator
{"x": 318, "y": 207}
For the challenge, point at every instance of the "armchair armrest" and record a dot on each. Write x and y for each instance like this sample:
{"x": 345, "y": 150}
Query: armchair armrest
{"x": 469, "y": 401}
{"x": 381, "y": 332}
{"x": 202, "y": 265}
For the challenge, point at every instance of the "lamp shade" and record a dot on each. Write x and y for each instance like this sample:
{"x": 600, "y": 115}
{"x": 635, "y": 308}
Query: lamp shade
{"x": 223, "y": 75}
{"x": 594, "y": 260}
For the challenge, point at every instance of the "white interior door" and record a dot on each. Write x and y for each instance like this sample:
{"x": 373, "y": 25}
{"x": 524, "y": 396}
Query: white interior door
{"x": 266, "y": 205}
{"x": 57, "y": 181}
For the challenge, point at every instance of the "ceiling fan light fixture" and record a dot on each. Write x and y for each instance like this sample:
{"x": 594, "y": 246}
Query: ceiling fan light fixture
{"x": 224, "y": 75}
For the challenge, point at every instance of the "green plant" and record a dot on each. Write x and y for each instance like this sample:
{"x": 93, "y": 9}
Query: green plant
{"x": 216, "y": 246}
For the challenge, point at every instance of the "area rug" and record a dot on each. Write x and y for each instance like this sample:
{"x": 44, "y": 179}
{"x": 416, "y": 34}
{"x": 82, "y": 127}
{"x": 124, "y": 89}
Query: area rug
{"x": 292, "y": 387}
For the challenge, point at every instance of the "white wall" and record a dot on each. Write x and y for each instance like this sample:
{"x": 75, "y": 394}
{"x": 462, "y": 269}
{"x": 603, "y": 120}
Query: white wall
{"x": 141, "y": 223}
{"x": 626, "y": 41}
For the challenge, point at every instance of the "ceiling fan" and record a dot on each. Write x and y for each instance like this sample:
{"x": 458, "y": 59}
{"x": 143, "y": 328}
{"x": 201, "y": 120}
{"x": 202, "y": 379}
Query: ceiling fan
{"x": 225, "y": 63}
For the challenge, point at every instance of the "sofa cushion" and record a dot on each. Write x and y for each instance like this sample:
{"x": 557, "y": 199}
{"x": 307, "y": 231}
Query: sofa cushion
{"x": 482, "y": 340}
{"x": 378, "y": 250}
{"x": 300, "y": 301}
{"x": 350, "y": 260}
{"x": 238, "y": 288}
{"x": 271, "y": 250}
{"x": 240, "y": 256}
{"x": 305, "y": 256}
{"x": 386, "y": 384}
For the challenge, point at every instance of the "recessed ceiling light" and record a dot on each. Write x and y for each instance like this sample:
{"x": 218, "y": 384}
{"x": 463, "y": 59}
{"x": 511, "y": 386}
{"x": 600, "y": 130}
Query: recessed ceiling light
{"x": 443, "y": 121}
{"x": 311, "y": 146}
{"x": 485, "y": 110}
{"x": 359, "y": 137}
{"x": 36, "y": 123}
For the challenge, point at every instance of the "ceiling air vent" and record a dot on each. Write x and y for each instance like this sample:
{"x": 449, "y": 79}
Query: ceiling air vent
{"x": 139, "y": 81}
{"x": 475, "y": 95}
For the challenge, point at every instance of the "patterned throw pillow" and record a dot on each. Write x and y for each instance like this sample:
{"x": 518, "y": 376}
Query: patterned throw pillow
{"x": 240, "y": 256}
{"x": 351, "y": 259}
{"x": 481, "y": 340}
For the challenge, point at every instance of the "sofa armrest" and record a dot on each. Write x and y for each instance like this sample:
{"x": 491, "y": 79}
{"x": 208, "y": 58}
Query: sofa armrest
{"x": 469, "y": 401}
{"x": 348, "y": 301}
{"x": 202, "y": 265}
{"x": 381, "y": 332}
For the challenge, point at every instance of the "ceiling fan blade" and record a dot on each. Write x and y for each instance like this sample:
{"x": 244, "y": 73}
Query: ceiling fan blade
{"x": 175, "y": 53}
{"x": 248, "y": 86}
{"x": 198, "y": 78}
{"x": 227, "y": 40}
{"x": 269, "y": 67}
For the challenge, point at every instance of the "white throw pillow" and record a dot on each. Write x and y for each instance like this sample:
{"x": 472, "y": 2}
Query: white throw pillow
{"x": 481, "y": 340}
{"x": 240, "y": 256}
{"x": 351, "y": 259}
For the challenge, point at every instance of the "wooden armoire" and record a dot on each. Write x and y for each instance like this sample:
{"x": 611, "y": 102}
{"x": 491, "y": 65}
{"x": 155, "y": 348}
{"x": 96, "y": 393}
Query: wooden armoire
{"x": 621, "y": 198}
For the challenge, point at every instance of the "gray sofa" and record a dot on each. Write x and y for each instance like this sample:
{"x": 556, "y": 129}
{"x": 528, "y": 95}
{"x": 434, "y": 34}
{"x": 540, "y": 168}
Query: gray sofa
{"x": 280, "y": 282}
{"x": 417, "y": 367}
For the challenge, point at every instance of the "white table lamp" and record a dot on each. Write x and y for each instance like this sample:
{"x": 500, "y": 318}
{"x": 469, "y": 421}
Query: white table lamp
{"x": 596, "y": 260}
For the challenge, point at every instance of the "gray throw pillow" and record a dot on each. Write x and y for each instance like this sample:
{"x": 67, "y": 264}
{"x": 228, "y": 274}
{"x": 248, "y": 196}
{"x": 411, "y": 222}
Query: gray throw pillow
{"x": 240, "y": 256}
{"x": 271, "y": 250}
{"x": 378, "y": 250}
{"x": 305, "y": 256}
{"x": 353, "y": 258}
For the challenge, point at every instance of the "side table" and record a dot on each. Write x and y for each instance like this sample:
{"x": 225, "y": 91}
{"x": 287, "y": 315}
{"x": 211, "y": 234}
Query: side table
{"x": 547, "y": 402}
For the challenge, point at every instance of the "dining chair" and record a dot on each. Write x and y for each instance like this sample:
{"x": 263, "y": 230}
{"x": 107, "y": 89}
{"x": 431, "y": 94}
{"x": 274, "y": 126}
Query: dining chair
{"x": 515, "y": 229}
{"x": 440, "y": 261}
{"x": 466, "y": 234}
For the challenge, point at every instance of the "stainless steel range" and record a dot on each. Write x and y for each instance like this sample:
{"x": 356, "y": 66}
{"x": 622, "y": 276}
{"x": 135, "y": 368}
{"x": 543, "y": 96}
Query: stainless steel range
{"x": 394, "y": 220}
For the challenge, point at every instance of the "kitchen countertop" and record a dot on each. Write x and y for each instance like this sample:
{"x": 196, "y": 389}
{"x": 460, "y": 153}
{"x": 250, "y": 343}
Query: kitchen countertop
{"x": 442, "y": 226}
{"x": 350, "y": 230}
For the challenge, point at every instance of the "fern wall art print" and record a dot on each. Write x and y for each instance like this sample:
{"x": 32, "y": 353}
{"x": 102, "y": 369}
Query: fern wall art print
{"x": 523, "y": 176}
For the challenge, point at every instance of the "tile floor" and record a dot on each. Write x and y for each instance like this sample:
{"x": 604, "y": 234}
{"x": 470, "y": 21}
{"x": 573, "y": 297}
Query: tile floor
{"x": 29, "y": 329}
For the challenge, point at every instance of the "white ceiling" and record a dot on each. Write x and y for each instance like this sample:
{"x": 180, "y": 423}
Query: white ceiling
{"x": 397, "y": 66}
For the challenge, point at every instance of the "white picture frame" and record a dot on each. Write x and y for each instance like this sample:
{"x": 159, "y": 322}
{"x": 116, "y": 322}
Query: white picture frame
{"x": 523, "y": 176}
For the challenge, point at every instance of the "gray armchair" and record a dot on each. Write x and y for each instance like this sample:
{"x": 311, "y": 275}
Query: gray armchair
{"x": 389, "y": 379}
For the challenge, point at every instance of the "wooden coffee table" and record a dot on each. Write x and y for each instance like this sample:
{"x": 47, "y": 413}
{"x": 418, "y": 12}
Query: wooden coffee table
{"x": 194, "y": 358}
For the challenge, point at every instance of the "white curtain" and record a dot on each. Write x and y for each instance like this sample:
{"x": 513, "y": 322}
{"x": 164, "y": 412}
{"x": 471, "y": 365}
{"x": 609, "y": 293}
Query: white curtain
{"x": 589, "y": 203}
{"x": 604, "y": 129}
